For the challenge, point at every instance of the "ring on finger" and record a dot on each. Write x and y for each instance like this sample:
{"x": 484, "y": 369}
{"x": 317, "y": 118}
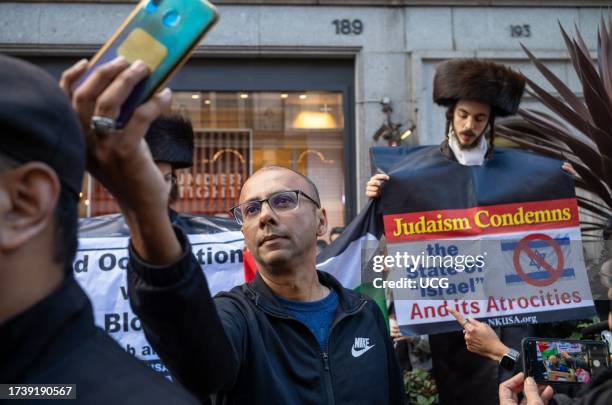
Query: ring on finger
{"x": 103, "y": 126}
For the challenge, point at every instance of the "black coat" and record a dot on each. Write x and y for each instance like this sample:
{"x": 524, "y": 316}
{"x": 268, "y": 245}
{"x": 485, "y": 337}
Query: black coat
{"x": 56, "y": 342}
{"x": 597, "y": 392}
{"x": 466, "y": 378}
{"x": 249, "y": 350}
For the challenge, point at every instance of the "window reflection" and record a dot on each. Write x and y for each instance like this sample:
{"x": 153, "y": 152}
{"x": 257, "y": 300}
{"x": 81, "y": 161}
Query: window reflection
{"x": 236, "y": 133}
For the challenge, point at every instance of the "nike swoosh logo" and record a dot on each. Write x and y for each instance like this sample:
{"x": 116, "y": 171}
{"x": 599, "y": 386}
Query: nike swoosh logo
{"x": 359, "y": 352}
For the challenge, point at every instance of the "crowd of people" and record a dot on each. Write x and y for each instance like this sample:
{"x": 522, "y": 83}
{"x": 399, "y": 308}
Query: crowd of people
{"x": 292, "y": 335}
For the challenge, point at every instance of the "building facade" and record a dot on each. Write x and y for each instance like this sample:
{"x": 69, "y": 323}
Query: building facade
{"x": 300, "y": 83}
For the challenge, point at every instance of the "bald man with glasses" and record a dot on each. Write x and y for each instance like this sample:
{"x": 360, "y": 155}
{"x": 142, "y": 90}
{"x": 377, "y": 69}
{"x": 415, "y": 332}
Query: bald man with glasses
{"x": 293, "y": 335}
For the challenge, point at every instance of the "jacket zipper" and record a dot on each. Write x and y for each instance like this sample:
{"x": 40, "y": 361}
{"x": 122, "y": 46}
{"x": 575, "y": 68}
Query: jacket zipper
{"x": 327, "y": 377}
{"x": 326, "y": 367}
{"x": 329, "y": 389}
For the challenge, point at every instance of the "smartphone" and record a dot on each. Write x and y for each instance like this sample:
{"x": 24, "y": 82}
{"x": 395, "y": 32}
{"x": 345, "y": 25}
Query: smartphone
{"x": 161, "y": 33}
{"x": 563, "y": 361}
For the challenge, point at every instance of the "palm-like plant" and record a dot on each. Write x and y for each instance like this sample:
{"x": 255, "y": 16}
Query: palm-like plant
{"x": 577, "y": 131}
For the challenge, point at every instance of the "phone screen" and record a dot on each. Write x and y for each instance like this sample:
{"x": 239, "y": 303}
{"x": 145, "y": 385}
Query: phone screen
{"x": 554, "y": 361}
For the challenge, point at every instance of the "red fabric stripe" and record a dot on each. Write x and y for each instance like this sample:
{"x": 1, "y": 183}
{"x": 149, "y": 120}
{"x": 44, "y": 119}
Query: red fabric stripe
{"x": 248, "y": 263}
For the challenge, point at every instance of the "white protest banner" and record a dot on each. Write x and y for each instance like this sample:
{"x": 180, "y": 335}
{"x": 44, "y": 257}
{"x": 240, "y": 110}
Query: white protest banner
{"x": 509, "y": 274}
{"x": 101, "y": 263}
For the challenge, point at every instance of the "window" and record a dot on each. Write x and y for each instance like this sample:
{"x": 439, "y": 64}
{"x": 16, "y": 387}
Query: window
{"x": 237, "y": 133}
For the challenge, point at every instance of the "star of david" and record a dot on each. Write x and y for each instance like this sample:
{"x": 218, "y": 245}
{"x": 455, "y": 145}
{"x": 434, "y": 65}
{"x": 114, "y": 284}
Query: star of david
{"x": 535, "y": 263}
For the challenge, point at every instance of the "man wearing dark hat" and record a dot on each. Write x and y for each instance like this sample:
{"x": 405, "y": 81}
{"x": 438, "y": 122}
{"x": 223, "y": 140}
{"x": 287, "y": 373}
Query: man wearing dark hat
{"x": 47, "y": 331}
{"x": 475, "y": 92}
{"x": 170, "y": 139}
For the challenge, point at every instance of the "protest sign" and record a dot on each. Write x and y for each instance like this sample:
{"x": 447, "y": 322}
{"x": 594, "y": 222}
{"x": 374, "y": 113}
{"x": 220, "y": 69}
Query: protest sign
{"x": 498, "y": 242}
{"x": 101, "y": 262}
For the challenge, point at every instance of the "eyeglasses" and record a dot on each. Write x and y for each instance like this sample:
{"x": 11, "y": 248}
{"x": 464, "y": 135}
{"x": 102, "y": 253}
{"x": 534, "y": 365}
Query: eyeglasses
{"x": 281, "y": 202}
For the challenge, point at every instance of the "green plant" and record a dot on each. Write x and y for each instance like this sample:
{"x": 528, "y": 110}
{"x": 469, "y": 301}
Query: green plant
{"x": 583, "y": 324}
{"x": 420, "y": 387}
{"x": 574, "y": 129}
{"x": 564, "y": 329}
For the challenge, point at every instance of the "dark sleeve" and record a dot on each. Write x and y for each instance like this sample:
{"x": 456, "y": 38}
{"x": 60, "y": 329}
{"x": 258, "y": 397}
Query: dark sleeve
{"x": 181, "y": 322}
{"x": 397, "y": 393}
{"x": 598, "y": 391}
{"x": 561, "y": 399}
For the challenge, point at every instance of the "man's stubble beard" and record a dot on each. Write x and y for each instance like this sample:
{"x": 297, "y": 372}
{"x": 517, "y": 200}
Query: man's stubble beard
{"x": 285, "y": 261}
{"x": 472, "y": 145}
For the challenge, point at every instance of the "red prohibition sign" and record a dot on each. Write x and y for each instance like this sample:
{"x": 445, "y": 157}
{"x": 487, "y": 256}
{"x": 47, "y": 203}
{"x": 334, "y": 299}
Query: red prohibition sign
{"x": 522, "y": 246}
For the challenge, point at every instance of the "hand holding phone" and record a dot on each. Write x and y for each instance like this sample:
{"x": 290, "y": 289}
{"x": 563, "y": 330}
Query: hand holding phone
{"x": 564, "y": 361}
{"x": 123, "y": 164}
{"x": 533, "y": 394}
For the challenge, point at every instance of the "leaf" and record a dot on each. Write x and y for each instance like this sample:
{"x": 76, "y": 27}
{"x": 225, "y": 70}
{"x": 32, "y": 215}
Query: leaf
{"x": 595, "y": 184}
{"x": 570, "y": 48}
{"x": 582, "y": 46}
{"x": 523, "y": 130}
{"x": 582, "y": 185}
{"x": 593, "y": 134}
{"x": 593, "y": 210}
{"x": 421, "y": 400}
{"x": 607, "y": 168}
{"x": 603, "y": 57}
{"x": 596, "y": 203}
{"x": 594, "y": 224}
{"x": 599, "y": 136}
{"x": 594, "y": 92}
{"x": 575, "y": 103}
{"x": 580, "y": 133}
{"x": 549, "y": 148}
{"x": 585, "y": 152}
{"x": 557, "y": 106}
{"x": 547, "y": 151}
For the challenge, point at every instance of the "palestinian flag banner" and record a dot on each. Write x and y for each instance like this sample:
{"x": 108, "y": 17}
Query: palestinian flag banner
{"x": 349, "y": 257}
{"x": 101, "y": 262}
{"x": 498, "y": 242}
{"x": 547, "y": 349}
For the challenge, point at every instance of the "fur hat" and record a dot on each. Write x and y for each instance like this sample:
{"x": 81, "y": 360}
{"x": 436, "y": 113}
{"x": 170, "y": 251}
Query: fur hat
{"x": 170, "y": 139}
{"x": 478, "y": 80}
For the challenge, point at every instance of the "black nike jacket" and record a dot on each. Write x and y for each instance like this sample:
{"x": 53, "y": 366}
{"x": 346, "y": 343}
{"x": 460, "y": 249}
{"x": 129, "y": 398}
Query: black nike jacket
{"x": 244, "y": 348}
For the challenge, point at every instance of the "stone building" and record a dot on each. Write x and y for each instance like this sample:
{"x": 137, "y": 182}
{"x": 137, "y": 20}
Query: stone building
{"x": 299, "y": 83}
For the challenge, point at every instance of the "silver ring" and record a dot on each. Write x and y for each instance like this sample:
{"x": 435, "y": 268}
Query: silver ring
{"x": 103, "y": 126}
{"x": 465, "y": 323}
